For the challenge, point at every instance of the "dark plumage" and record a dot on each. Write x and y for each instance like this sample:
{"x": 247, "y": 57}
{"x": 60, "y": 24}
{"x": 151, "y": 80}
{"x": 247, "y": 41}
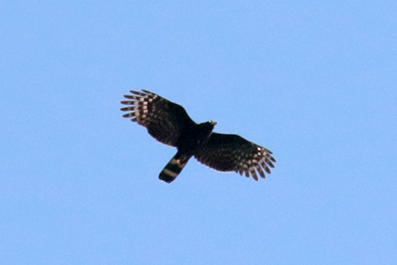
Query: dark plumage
{"x": 170, "y": 124}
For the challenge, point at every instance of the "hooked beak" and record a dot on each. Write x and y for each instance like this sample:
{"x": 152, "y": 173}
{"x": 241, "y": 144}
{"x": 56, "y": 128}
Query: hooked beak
{"x": 213, "y": 123}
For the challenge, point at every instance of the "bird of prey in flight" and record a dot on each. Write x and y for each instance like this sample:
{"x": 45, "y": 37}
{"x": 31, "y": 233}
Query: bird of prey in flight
{"x": 170, "y": 124}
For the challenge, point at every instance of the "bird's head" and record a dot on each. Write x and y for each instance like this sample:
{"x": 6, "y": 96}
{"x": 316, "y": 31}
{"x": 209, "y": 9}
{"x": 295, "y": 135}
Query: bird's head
{"x": 213, "y": 123}
{"x": 207, "y": 126}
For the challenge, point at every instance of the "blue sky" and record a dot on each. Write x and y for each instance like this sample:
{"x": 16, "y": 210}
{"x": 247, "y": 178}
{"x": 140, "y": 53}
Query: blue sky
{"x": 314, "y": 81}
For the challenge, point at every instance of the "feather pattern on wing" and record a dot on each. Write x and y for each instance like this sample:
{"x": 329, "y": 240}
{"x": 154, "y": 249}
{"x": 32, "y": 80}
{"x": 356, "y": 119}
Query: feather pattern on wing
{"x": 164, "y": 120}
{"x": 230, "y": 152}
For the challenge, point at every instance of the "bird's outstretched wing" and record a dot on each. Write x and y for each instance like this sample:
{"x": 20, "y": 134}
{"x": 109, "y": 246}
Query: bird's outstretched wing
{"x": 163, "y": 119}
{"x": 230, "y": 152}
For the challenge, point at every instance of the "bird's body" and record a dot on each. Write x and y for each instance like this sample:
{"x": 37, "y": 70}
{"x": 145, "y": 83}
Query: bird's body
{"x": 170, "y": 124}
{"x": 188, "y": 143}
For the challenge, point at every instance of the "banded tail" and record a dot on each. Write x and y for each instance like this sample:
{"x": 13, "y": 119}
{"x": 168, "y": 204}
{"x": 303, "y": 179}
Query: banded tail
{"x": 173, "y": 168}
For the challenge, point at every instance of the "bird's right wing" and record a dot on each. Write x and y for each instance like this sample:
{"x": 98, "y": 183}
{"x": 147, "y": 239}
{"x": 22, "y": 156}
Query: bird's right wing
{"x": 230, "y": 152}
{"x": 163, "y": 119}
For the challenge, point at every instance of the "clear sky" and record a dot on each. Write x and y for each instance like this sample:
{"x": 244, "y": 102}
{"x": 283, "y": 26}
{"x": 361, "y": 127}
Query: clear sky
{"x": 313, "y": 81}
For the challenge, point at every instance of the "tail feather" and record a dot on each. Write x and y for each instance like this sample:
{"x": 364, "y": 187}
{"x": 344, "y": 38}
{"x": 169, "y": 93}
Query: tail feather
{"x": 173, "y": 168}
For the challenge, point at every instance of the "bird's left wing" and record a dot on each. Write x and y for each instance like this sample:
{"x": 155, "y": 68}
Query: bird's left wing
{"x": 230, "y": 152}
{"x": 163, "y": 119}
